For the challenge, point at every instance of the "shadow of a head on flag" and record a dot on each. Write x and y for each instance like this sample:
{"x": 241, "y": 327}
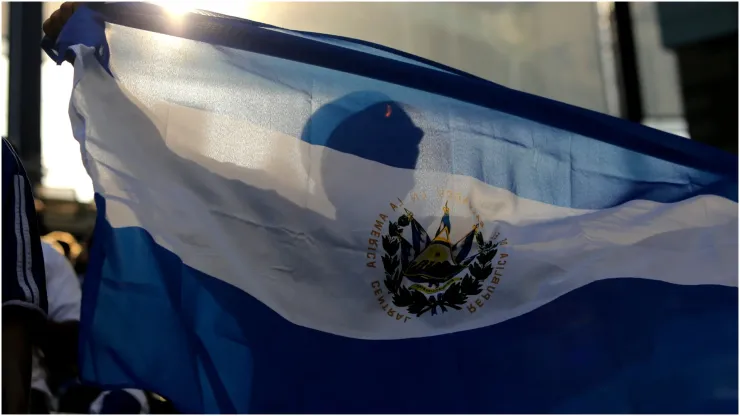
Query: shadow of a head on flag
{"x": 368, "y": 125}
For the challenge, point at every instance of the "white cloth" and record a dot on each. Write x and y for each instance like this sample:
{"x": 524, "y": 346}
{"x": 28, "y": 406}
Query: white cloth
{"x": 64, "y": 296}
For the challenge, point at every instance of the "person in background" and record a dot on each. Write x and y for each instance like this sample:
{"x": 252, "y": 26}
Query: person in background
{"x": 24, "y": 282}
{"x": 54, "y": 362}
{"x": 65, "y": 241}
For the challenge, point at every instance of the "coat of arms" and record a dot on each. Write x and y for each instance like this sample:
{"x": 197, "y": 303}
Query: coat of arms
{"x": 426, "y": 274}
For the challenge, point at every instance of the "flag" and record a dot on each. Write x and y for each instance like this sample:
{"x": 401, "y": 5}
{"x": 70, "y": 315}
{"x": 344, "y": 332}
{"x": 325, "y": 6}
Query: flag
{"x": 291, "y": 222}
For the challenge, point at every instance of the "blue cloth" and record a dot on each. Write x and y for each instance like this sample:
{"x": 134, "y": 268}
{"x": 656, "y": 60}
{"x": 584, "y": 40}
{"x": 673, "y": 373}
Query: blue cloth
{"x": 215, "y": 290}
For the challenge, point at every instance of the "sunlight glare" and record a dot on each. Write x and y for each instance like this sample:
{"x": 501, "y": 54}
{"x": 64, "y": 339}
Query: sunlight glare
{"x": 178, "y": 9}
{"x": 243, "y": 9}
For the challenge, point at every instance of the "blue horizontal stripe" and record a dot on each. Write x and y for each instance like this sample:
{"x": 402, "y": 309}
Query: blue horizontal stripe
{"x": 615, "y": 346}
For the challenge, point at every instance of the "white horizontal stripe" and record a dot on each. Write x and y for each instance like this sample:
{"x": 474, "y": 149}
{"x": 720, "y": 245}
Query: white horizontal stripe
{"x": 303, "y": 250}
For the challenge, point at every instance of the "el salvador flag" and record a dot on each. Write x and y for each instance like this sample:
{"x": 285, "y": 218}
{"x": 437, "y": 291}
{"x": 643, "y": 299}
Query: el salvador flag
{"x": 299, "y": 223}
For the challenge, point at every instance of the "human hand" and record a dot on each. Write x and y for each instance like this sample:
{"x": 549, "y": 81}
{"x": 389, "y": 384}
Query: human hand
{"x": 54, "y": 24}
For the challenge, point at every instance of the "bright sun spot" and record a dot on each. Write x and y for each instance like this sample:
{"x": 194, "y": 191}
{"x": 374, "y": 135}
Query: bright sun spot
{"x": 177, "y": 8}
{"x": 243, "y": 9}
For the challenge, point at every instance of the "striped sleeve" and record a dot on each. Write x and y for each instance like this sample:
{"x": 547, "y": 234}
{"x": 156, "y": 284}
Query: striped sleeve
{"x": 24, "y": 279}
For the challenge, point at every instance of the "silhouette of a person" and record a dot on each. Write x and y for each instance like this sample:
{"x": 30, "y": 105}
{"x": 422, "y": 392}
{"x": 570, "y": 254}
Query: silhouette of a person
{"x": 368, "y": 125}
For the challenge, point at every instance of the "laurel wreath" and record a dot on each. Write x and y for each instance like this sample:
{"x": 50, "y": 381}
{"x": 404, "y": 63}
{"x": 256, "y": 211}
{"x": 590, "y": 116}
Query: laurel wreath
{"x": 454, "y": 297}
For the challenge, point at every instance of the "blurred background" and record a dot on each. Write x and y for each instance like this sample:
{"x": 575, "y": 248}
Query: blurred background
{"x": 671, "y": 66}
